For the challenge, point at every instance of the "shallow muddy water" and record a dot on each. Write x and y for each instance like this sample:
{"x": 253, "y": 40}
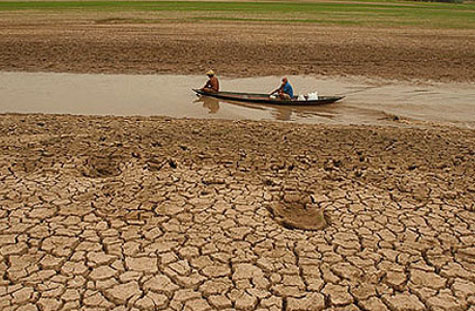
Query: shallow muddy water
{"x": 366, "y": 101}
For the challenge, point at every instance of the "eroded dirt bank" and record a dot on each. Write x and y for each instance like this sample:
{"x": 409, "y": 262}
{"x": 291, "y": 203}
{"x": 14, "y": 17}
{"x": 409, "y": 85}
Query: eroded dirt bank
{"x": 157, "y": 213}
{"x": 50, "y": 43}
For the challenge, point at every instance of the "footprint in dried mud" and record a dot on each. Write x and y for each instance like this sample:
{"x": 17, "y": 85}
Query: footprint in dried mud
{"x": 298, "y": 212}
{"x": 102, "y": 166}
{"x": 155, "y": 164}
{"x": 26, "y": 165}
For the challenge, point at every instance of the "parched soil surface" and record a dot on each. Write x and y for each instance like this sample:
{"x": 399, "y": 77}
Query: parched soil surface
{"x": 103, "y": 44}
{"x": 154, "y": 214}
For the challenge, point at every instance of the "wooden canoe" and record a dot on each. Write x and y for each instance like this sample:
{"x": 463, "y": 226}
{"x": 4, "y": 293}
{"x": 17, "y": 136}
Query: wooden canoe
{"x": 266, "y": 99}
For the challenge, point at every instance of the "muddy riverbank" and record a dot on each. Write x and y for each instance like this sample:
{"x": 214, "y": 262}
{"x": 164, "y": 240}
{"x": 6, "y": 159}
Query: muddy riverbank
{"x": 64, "y": 43}
{"x": 174, "y": 213}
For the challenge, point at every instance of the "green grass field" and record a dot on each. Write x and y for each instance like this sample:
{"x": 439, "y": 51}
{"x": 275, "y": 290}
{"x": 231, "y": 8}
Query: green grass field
{"x": 361, "y": 13}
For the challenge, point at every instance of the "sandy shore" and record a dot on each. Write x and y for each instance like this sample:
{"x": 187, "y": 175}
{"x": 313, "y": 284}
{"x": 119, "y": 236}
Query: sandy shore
{"x": 157, "y": 213}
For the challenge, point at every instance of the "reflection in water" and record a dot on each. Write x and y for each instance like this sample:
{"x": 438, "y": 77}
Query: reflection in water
{"x": 281, "y": 113}
{"x": 212, "y": 104}
{"x": 278, "y": 112}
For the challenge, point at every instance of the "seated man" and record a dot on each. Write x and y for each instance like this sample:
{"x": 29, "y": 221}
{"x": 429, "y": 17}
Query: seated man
{"x": 212, "y": 86}
{"x": 285, "y": 91}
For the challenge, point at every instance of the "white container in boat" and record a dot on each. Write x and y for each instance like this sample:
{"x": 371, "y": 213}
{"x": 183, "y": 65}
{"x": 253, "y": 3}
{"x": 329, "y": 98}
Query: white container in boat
{"x": 312, "y": 96}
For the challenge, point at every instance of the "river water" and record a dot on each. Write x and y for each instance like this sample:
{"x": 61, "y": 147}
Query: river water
{"x": 366, "y": 102}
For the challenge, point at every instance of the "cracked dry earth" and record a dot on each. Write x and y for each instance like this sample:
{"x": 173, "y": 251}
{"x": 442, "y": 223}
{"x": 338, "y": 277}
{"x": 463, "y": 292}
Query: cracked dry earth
{"x": 104, "y": 213}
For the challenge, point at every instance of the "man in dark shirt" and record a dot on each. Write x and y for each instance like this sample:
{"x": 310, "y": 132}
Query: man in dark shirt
{"x": 212, "y": 85}
{"x": 285, "y": 91}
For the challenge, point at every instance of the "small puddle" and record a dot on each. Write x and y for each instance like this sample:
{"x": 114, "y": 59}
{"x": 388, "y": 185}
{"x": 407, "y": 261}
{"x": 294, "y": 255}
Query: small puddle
{"x": 367, "y": 101}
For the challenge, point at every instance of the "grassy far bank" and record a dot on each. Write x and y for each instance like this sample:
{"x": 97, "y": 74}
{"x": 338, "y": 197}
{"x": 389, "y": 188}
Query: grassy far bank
{"x": 362, "y": 13}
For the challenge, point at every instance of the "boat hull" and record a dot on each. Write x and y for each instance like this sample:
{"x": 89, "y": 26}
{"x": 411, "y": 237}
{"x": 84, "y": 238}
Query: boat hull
{"x": 265, "y": 99}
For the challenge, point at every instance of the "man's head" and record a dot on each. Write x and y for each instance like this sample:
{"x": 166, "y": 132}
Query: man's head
{"x": 284, "y": 80}
{"x": 210, "y": 73}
